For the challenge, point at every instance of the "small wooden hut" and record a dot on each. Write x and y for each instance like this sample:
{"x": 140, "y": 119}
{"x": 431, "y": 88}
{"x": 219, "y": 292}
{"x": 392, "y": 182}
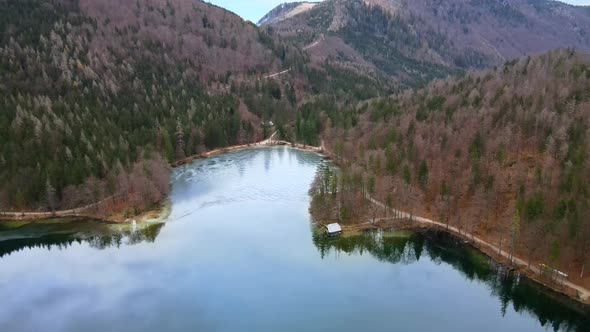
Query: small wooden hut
{"x": 333, "y": 230}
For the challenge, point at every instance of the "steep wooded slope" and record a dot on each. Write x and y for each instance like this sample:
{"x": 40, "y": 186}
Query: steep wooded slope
{"x": 88, "y": 88}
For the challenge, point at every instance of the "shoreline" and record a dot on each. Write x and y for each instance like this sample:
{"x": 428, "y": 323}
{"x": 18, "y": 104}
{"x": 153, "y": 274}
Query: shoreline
{"x": 116, "y": 218}
{"x": 562, "y": 289}
{"x": 552, "y": 289}
{"x": 162, "y": 210}
{"x": 264, "y": 144}
{"x": 573, "y": 291}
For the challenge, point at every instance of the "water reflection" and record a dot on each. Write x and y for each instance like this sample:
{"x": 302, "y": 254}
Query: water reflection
{"x": 552, "y": 311}
{"x": 63, "y": 234}
{"x": 267, "y": 159}
{"x": 237, "y": 254}
{"x": 255, "y": 175}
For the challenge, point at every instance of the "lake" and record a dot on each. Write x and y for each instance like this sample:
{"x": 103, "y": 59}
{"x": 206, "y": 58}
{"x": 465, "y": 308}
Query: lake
{"x": 239, "y": 253}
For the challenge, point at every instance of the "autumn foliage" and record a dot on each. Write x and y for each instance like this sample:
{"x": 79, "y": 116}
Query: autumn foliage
{"x": 480, "y": 150}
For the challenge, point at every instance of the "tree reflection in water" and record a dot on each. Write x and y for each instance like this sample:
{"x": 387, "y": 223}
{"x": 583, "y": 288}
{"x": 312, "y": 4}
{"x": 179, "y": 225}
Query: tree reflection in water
{"x": 552, "y": 311}
{"x": 61, "y": 235}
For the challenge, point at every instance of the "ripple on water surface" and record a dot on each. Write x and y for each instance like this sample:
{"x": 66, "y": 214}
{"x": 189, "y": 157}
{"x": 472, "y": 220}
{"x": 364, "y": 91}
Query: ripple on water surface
{"x": 205, "y": 183}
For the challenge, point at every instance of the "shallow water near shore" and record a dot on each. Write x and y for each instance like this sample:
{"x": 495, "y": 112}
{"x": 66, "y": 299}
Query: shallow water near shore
{"x": 239, "y": 253}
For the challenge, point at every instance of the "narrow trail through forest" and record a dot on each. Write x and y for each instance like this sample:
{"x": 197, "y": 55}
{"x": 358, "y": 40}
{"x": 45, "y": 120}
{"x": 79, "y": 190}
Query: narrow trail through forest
{"x": 277, "y": 74}
{"x": 77, "y": 212}
{"x": 307, "y": 47}
{"x": 314, "y": 44}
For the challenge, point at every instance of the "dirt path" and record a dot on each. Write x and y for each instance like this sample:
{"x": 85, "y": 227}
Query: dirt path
{"x": 314, "y": 44}
{"x": 77, "y": 212}
{"x": 277, "y": 74}
{"x": 269, "y": 141}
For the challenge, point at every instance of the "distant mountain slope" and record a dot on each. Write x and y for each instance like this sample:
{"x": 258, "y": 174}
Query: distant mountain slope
{"x": 504, "y": 30}
{"x": 415, "y": 41}
{"x": 213, "y": 39}
{"x": 285, "y": 11}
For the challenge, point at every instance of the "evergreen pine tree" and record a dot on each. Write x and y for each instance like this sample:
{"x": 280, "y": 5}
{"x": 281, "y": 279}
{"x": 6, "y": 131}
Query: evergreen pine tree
{"x": 180, "y": 154}
{"x": 50, "y": 192}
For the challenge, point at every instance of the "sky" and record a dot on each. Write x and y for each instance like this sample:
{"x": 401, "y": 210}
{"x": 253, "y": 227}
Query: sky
{"x": 253, "y": 10}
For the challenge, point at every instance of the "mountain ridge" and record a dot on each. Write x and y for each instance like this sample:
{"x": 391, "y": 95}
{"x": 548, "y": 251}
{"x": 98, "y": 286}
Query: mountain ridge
{"x": 285, "y": 11}
{"x": 400, "y": 37}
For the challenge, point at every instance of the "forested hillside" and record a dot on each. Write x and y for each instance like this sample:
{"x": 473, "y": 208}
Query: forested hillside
{"x": 501, "y": 153}
{"x": 409, "y": 43}
{"x": 88, "y": 89}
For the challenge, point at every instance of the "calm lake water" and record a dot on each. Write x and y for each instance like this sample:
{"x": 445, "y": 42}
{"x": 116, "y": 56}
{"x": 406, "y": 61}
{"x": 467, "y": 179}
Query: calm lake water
{"x": 239, "y": 253}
